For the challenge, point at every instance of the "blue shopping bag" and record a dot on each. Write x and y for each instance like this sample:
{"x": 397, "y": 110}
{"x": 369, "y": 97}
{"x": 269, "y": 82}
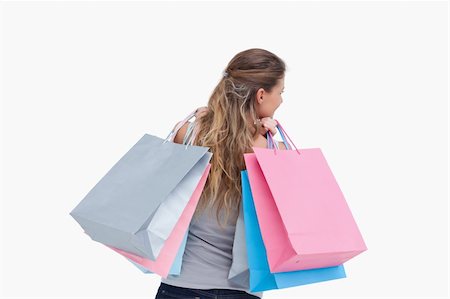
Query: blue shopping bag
{"x": 261, "y": 279}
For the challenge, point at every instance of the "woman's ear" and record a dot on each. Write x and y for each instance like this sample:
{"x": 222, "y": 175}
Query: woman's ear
{"x": 259, "y": 94}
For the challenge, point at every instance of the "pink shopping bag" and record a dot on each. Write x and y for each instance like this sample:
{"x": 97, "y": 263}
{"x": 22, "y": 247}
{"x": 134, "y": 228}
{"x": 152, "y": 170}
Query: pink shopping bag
{"x": 304, "y": 218}
{"x": 165, "y": 259}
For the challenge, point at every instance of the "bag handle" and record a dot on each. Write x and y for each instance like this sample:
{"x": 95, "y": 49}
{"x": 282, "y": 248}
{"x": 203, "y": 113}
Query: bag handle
{"x": 188, "y": 137}
{"x": 288, "y": 146}
{"x": 270, "y": 142}
{"x": 282, "y": 133}
{"x": 175, "y": 130}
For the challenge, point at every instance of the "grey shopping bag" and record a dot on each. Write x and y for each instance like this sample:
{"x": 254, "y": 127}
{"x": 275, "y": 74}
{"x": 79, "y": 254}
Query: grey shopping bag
{"x": 136, "y": 204}
{"x": 238, "y": 275}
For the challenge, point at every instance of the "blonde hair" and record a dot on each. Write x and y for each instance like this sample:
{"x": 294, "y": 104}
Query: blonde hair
{"x": 226, "y": 130}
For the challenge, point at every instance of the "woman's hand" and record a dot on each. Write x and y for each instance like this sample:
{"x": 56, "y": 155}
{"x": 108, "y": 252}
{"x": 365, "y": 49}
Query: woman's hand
{"x": 201, "y": 112}
{"x": 267, "y": 123}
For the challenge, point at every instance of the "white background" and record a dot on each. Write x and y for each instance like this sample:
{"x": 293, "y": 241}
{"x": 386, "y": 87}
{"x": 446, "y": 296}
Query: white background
{"x": 367, "y": 82}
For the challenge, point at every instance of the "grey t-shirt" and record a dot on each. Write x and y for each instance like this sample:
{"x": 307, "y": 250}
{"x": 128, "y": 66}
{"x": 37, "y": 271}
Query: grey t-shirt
{"x": 208, "y": 254}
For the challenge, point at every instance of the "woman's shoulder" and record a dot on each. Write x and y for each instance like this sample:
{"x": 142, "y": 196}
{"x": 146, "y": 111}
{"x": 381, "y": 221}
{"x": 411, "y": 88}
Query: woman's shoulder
{"x": 259, "y": 141}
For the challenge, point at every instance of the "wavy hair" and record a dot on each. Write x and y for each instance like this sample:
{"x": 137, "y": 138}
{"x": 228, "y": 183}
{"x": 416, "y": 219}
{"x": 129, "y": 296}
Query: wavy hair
{"x": 228, "y": 127}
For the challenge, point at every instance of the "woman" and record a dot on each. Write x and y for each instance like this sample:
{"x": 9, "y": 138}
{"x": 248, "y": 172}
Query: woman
{"x": 239, "y": 113}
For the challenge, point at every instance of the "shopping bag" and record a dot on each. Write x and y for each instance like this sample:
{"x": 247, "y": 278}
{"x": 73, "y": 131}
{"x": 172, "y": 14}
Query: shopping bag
{"x": 175, "y": 242}
{"x": 238, "y": 275}
{"x": 176, "y": 266}
{"x": 304, "y": 218}
{"x": 136, "y": 205}
{"x": 261, "y": 279}
{"x": 163, "y": 261}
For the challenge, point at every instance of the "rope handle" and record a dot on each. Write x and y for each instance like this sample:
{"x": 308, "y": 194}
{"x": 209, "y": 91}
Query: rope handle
{"x": 175, "y": 130}
{"x": 282, "y": 133}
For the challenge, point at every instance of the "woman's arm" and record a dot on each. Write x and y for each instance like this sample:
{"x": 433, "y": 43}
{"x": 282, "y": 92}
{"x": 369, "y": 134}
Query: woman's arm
{"x": 181, "y": 132}
{"x": 201, "y": 111}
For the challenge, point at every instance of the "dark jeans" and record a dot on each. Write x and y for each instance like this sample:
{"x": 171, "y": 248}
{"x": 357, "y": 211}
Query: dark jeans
{"x": 167, "y": 291}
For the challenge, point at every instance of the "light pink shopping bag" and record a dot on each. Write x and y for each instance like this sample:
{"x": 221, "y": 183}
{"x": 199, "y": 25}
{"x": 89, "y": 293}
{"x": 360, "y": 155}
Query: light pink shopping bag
{"x": 165, "y": 259}
{"x": 304, "y": 218}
